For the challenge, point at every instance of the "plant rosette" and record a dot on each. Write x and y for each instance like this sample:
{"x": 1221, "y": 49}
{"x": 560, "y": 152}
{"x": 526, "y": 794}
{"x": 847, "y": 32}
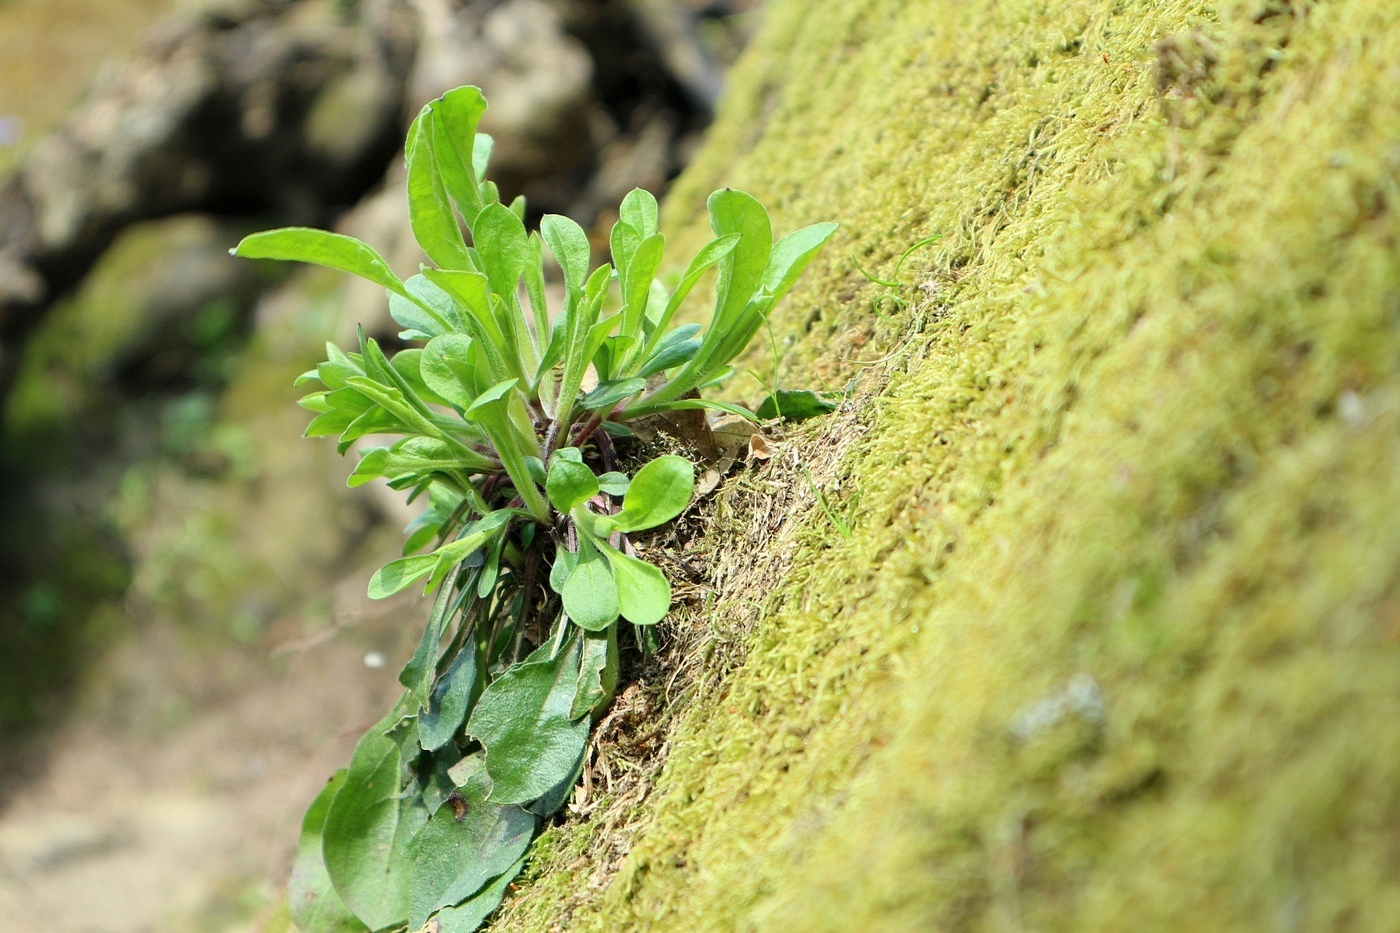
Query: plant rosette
{"x": 525, "y": 532}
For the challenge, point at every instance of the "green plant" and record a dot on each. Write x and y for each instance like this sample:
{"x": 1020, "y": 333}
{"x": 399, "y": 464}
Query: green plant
{"x": 433, "y": 816}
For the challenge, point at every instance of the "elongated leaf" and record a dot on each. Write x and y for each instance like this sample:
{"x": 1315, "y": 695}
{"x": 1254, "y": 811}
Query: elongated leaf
{"x": 367, "y": 830}
{"x": 471, "y": 291}
{"x": 448, "y": 707}
{"x": 465, "y": 845}
{"x": 795, "y": 405}
{"x": 670, "y": 357}
{"x": 431, "y": 311}
{"x": 709, "y": 254}
{"x": 791, "y": 255}
{"x": 636, "y": 289}
{"x": 523, "y": 721}
{"x": 471, "y": 913}
{"x": 623, "y": 240}
{"x": 429, "y": 212}
{"x": 458, "y": 146}
{"x": 417, "y": 675}
{"x": 399, "y": 574}
{"x": 607, "y": 394}
{"x": 315, "y": 907}
{"x": 597, "y": 676}
{"x": 658, "y": 493}
{"x": 564, "y": 562}
{"x": 645, "y": 407}
{"x": 741, "y": 271}
{"x": 590, "y": 592}
{"x": 319, "y": 247}
{"x": 643, "y": 595}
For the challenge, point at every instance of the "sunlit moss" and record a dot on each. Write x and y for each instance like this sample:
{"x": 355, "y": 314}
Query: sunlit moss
{"x": 1115, "y": 641}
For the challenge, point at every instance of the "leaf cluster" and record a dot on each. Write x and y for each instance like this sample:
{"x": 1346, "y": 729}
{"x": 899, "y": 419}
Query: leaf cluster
{"x": 502, "y": 416}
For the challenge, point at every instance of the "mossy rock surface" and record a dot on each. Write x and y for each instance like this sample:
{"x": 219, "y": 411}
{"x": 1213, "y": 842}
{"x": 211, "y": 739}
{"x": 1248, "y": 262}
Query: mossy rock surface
{"x": 1113, "y": 639}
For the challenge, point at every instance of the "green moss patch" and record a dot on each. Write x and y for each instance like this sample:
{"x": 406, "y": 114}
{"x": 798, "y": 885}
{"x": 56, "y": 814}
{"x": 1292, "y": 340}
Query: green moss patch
{"x": 1114, "y": 641}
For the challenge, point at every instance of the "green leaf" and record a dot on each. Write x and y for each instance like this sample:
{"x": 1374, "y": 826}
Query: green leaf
{"x": 645, "y": 407}
{"x": 399, "y": 574}
{"x": 564, "y": 562}
{"x": 455, "y": 856}
{"x": 670, "y": 357}
{"x": 608, "y": 394}
{"x": 315, "y": 907}
{"x": 429, "y": 212}
{"x": 523, "y": 721}
{"x": 623, "y": 241}
{"x": 446, "y": 367}
{"x": 658, "y": 493}
{"x": 741, "y": 271}
{"x": 614, "y": 483}
{"x": 467, "y": 916}
{"x": 597, "y": 676}
{"x": 491, "y": 402}
{"x": 570, "y": 482}
{"x": 791, "y": 255}
{"x": 431, "y": 311}
{"x": 636, "y": 289}
{"x": 459, "y": 148}
{"x": 504, "y": 247}
{"x": 569, "y": 246}
{"x": 368, "y": 827}
{"x": 639, "y": 210}
{"x": 319, "y": 247}
{"x": 590, "y": 593}
{"x": 448, "y": 706}
{"x": 643, "y": 595}
{"x": 795, "y": 405}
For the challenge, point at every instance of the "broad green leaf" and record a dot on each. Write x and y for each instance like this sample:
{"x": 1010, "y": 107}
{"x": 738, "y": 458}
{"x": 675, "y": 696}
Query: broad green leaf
{"x": 564, "y": 562}
{"x": 658, "y": 493}
{"x": 491, "y": 402}
{"x": 608, "y": 394}
{"x": 570, "y": 482}
{"x": 590, "y": 592}
{"x": 319, "y": 247}
{"x": 503, "y": 246}
{"x": 643, "y": 595}
{"x": 400, "y": 574}
{"x": 472, "y": 293}
{"x": 367, "y": 830}
{"x": 614, "y": 483}
{"x": 523, "y": 721}
{"x": 795, "y": 405}
{"x": 458, "y": 146}
{"x": 429, "y": 212}
{"x": 481, "y": 154}
{"x": 636, "y": 289}
{"x": 454, "y": 856}
{"x": 431, "y": 311}
{"x": 338, "y": 367}
{"x": 315, "y": 401}
{"x": 315, "y": 907}
{"x": 331, "y": 423}
{"x": 446, "y": 368}
{"x": 639, "y": 210}
{"x": 467, "y": 916}
{"x": 406, "y": 364}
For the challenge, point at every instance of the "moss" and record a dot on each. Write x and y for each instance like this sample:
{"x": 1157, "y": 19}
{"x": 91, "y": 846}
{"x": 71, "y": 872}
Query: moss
{"x": 1114, "y": 640}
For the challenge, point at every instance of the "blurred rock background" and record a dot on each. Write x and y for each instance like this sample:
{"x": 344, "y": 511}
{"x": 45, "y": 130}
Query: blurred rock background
{"x": 185, "y": 649}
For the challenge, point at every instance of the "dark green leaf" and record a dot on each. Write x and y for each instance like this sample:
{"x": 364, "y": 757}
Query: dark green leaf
{"x": 470, "y": 914}
{"x": 670, "y": 357}
{"x": 523, "y": 721}
{"x": 597, "y": 672}
{"x": 315, "y": 907}
{"x": 417, "y": 675}
{"x": 367, "y": 830}
{"x": 795, "y": 405}
{"x": 455, "y": 856}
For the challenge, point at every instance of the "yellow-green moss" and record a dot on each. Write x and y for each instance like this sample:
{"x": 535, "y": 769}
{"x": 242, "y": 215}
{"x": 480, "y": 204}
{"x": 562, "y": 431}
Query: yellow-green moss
{"x": 1115, "y": 642}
